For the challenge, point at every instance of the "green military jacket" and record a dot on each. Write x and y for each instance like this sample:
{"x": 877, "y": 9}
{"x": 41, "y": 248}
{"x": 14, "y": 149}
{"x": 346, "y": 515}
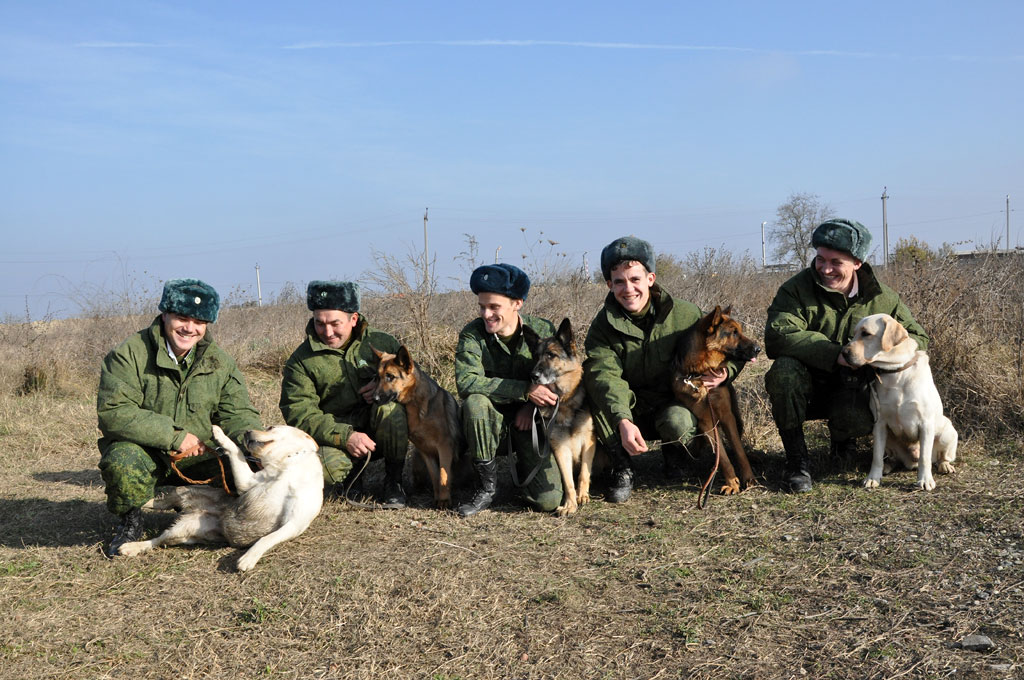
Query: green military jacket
{"x": 486, "y": 365}
{"x": 627, "y": 364}
{"x": 811, "y": 323}
{"x": 320, "y": 386}
{"x": 143, "y": 397}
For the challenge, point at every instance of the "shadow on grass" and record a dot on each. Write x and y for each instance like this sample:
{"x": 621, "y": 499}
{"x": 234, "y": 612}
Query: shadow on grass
{"x": 43, "y": 522}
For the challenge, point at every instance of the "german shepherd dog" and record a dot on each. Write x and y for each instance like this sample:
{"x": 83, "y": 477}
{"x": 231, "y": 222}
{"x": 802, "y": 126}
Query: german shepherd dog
{"x": 431, "y": 412}
{"x": 703, "y": 347}
{"x": 570, "y": 426}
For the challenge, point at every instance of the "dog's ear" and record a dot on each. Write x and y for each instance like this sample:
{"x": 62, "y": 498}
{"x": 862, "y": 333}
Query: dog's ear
{"x": 531, "y": 338}
{"x": 727, "y": 311}
{"x": 894, "y": 334}
{"x": 564, "y": 335}
{"x": 380, "y": 355}
{"x": 713, "y": 319}
{"x": 404, "y": 359}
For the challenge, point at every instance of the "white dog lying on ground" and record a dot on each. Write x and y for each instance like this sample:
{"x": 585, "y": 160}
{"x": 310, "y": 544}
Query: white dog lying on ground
{"x": 273, "y": 505}
{"x": 909, "y": 424}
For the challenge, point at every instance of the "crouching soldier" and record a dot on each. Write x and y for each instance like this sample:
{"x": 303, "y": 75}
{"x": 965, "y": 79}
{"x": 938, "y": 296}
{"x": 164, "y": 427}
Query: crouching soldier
{"x": 492, "y": 374}
{"x": 327, "y": 392}
{"x": 631, "y": 345}
{"x": 810, "y": 320}
{"x": 161, "y": 391}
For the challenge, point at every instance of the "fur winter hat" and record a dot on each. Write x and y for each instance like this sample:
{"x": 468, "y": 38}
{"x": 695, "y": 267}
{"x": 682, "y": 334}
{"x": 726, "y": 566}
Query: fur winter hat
{"x": 626, "y": 249}
{"x": 504, "y": 279}
{"x": 343, "y": 295}
{"x": 848, "y": 236}
{"x": 190, "y": 297}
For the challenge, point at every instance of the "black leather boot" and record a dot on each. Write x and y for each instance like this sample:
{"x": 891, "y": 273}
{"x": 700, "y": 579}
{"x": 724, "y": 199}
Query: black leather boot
{"x": 394, "y": 494}
{"x": 798, "y": 461}
{"x": 620, "y": 486}
{"x": 353, "y": 482}
{"x": 487, "y": 476}
{"x": 129, "y": 529}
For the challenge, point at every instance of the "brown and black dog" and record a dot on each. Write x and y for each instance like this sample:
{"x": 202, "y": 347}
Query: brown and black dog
{"x": 570, "y": 426}
{"x": 432, "y": 414}
{"x": 704, "y": 347}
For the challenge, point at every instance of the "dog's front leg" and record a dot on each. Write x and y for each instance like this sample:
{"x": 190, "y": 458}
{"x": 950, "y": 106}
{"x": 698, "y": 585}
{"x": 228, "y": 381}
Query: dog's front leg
{"x": 433, "y": 470}
{"x": 563, "y": 458}
{"x": 244, "y": 476}
{"x": 586, "y": 467}
{"x": 288, "y": 531}
{"x": 879, "y": 434}
{"x": 444, "y": 478}
{"x": 924, "y": 466}
{"x": 945, "y": 451}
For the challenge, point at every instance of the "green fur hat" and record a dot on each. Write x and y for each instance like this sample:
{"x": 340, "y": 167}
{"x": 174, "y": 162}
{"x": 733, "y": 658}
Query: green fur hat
{"x": 343, "y": 295}
{"x": 504, "y": 279}
{"x": 848, "y": 236}
{"x": 626, "y": 249}
{"x": 190, "y": 297}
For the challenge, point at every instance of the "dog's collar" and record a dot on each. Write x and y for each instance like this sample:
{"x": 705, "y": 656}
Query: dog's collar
{"x": 897, "y": 370}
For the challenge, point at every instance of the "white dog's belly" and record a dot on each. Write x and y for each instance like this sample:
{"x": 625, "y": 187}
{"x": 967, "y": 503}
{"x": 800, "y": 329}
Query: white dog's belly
{"x": 253, "y": 516}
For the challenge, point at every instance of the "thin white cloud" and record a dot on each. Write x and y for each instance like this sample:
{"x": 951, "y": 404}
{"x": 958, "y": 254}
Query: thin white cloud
{"x": 102, "y": 44}
{"x": 326, "y": 45}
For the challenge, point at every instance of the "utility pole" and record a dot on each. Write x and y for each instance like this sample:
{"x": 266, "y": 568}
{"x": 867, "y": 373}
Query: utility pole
{"x": 586, "y": 266}
{"x": 764, "y": 261}
{"x": 426, "y": 252}
{"x": 259, "y": 290}
{"x": 496, "y": 251}
{"x": 1008, "y": 246}
{"x": 885, "y": 227}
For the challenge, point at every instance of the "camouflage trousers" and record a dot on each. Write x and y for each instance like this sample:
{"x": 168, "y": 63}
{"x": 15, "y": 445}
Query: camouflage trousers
{"x": 387, "y": 427}
{"x": 799, "y": 394}
{"x": 487, "y": 429}
{"x": 132, "y": 473}
{"x": 669, "y": 421}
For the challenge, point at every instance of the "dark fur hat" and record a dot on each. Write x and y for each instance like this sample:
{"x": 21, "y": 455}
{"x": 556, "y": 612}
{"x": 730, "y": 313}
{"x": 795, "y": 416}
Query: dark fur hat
{"x": 848, "y": 236}
{"x": 504, "y": 279}
{"x": 190, "y": 297}
{"x": 343, "y": 295}
{"x": 626, "y": 249}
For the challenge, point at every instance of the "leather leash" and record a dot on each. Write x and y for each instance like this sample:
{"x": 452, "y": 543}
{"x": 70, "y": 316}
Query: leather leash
{"x": 705, "y": 491}
{"x": 542, "y": 456}
{"x": 175, "y": 456}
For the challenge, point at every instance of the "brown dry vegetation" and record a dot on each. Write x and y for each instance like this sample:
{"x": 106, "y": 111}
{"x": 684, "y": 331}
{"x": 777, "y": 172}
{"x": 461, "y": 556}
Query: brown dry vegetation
{"x": 839, "y": 583}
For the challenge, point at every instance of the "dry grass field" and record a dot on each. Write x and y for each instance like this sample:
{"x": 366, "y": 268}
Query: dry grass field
{"x": 838, "y": 583}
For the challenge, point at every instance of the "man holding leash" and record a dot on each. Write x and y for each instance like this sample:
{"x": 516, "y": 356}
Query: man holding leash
{"x": 492, "y": 374}
{"x": 327, "y": 392}
{"x": 630, "y": 348}
{"x": 810, "y": 319}
{"x": 160, "y": 393}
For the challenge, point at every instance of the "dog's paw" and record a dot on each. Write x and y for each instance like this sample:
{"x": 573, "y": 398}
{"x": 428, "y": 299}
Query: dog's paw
{"x": 247, "y": 562}
{"x": 133, "y": 548}
{"x": 568, "y": 508}
{"x": 731, "y": 487}
{"x": 925, "y": 484}
{"x": 224, "y": 440}
{"x": 444, "y": 503}
{"x": 871, "y": 483}
{"x": 946, "y": 468}
{"x": 583, "y": 498}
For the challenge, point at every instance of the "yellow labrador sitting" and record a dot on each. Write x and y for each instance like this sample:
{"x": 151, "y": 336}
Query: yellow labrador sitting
{"x": 273, "y": 505}
{"x": 909, "y": 424}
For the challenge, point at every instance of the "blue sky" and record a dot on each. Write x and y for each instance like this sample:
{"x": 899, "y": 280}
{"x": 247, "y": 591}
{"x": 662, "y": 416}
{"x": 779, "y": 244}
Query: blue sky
{"x": 141, "y": 141}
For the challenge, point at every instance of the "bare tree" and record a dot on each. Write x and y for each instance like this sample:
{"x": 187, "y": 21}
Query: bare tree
{"x": 795, "y": 220}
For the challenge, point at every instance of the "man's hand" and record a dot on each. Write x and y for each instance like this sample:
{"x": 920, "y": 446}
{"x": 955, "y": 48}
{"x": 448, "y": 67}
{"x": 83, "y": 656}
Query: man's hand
{"x": 524, "y": 417}
{"x": 366, "y": 391}
{"x": 359, "y": 444}
{"x": 541, "y": 395}
{"x": 192, "y": 446}
{"x": 714, "y": 378}
{"x": 632, "y": 441}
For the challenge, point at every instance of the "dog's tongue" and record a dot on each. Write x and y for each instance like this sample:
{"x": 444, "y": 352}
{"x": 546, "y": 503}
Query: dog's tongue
{"x": 753, "y": 360}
